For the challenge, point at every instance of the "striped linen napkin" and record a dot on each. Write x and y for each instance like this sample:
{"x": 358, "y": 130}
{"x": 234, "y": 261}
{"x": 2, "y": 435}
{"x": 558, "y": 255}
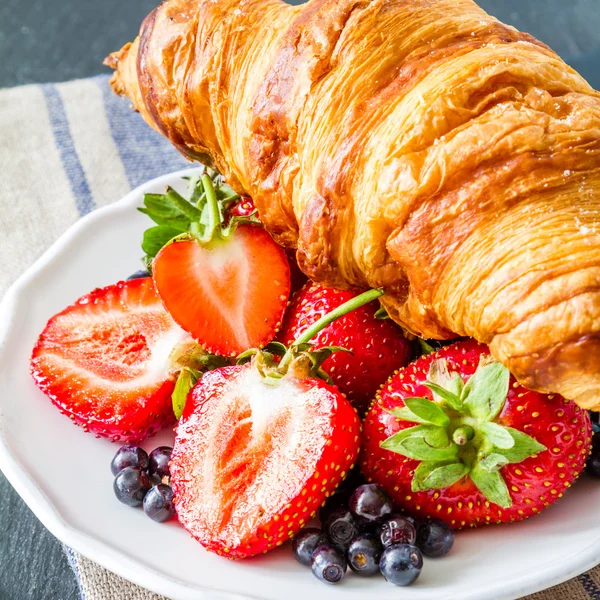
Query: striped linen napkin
{"x": 65, "y": 150}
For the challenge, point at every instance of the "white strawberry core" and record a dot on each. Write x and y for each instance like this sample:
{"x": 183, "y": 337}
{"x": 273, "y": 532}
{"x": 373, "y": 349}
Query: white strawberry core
{"x": 227, "y": 266}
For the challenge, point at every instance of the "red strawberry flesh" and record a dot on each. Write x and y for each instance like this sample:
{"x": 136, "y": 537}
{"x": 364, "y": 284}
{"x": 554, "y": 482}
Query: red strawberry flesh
{"x": 252, "y": 462}
{"x": 230, "y": 295}
{"x": 104, "y": 361}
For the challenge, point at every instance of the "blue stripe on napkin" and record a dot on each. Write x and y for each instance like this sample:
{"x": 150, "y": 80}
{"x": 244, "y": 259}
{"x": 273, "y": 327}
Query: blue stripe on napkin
{"x": 68, "y": 153}
{"x": 589, "y": 585}
{"x": 145, "y": 153}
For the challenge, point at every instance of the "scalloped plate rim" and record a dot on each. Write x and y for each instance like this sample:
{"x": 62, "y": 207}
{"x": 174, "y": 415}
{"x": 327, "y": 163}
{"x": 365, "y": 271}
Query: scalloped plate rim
{"x": 127, "y": 566}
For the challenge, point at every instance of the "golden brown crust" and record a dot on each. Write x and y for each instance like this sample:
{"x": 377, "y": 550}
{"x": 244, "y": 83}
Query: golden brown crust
{"x": 418, "y": 145}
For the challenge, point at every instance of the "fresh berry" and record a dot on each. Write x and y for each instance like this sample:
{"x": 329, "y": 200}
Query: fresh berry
{"x": 139, "y": 275}
{"x": 435, "y": 538}
{"x": 230, "y": 297}
{"x": 397, "y": 529}
{"x": 305, "y": 542}
{"x": 453, "y": 436}
{"x": 328, "y": 564}
{"x": 253, "y": 461}
{"x": 364, "y": 554}
{"x": 158, "y": 503}
{"x": 370, "y": 504}
{"x": 333, "y": 503}
{"x": 129, "y": 456}
{"x": 131, "y": 485}
{"x": 593, "y": 461}
{"x": 377, "y": 347}
{"x": 243, "y": 208}
{"x": 401, "y": 564}
{"x": 104, "y": 361}
{"x": 341, "y": 528}
{"x": 159, "y": 461}
{"x": 227, "y": 285}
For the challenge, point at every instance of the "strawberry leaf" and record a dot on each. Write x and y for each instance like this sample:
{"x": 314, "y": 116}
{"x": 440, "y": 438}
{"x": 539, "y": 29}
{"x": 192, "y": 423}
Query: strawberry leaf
{"x": 445, "y": 386}
{"x": 203, "y": 214}
{"x": 491, "y": 484}
{"x": 524, "y": 447}
{"x": 185, "y": 382}
{"x": 187, "y": 208}
{"x": 381, "y": 313}
{"x": 440, "y": 393}
{"x": 428, "y": 411}
{"x": 276, "y": 348}
{"x": 498, "y": 435}
{"x": 424, "y": 442}
{"x": 180, "y": 223}
{"x": 493, "y": 462}
{"x": 157, "y": 237}
{"x": 485, "y": 392}
{"x": 437, "y": 475}
{"x": 161, "y": 206}
{"x": 405, "y": 414}
{"x": 426, "y": 349}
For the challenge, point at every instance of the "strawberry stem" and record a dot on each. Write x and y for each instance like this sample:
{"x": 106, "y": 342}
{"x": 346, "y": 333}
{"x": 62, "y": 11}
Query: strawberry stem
{"x": 324, "y": 321}
{"x": 213, "y": 213}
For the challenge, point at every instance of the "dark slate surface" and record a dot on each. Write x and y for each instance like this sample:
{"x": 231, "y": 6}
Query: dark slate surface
{"x": 56, "y": 40}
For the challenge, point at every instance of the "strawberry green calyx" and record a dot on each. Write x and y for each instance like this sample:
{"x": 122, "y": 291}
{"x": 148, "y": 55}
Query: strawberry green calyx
{"x": 202, "y": 214}
{"x": 301, "y": 358}
{"x": 189, "y": 361}
{"x": 457, "y": 435}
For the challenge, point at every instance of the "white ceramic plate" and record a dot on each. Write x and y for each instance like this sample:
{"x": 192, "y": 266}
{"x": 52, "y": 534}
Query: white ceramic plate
{"x": 63, "y": 473}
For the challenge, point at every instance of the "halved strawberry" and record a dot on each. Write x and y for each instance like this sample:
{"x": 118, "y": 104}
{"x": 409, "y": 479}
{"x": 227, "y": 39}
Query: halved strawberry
{"x": 254, "y": 460}
{"x": 245, "y": 208}
{"x": 261, "y": 446}
{"x": 104, "y": 361}
{"x": 226, "y": 284}
{"x": 231, "y": 294}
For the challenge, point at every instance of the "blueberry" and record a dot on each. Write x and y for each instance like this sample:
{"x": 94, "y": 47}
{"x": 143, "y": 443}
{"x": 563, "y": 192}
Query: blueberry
{"x": 401, "y": 564}
{"x": 435, "y": 538}
{"x": 363, "y": 554}
{"x": 139, "y": 275}
{"x": 341, "y": 528}
{"x": 328, "y": 564}
{"x": 305, "y": 542}
{"x": 397, "y": 529}
{"x": 158, "y": 503}
{"x": 131, "y": 485}
{"x": 129, "y": 456}
{"x": 370, "y": 503}
{"x": 159, "y": 461}
{"x": 333, "y": 503}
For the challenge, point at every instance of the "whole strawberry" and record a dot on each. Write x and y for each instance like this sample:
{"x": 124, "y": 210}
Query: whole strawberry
{"x": 377, "y": 346}
{"x": 261, "y": 446}
{"x": 455, "y": 437}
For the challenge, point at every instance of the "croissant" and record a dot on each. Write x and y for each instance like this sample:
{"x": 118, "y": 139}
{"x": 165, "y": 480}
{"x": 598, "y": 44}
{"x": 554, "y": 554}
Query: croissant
{"x": 416, "y": 145}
